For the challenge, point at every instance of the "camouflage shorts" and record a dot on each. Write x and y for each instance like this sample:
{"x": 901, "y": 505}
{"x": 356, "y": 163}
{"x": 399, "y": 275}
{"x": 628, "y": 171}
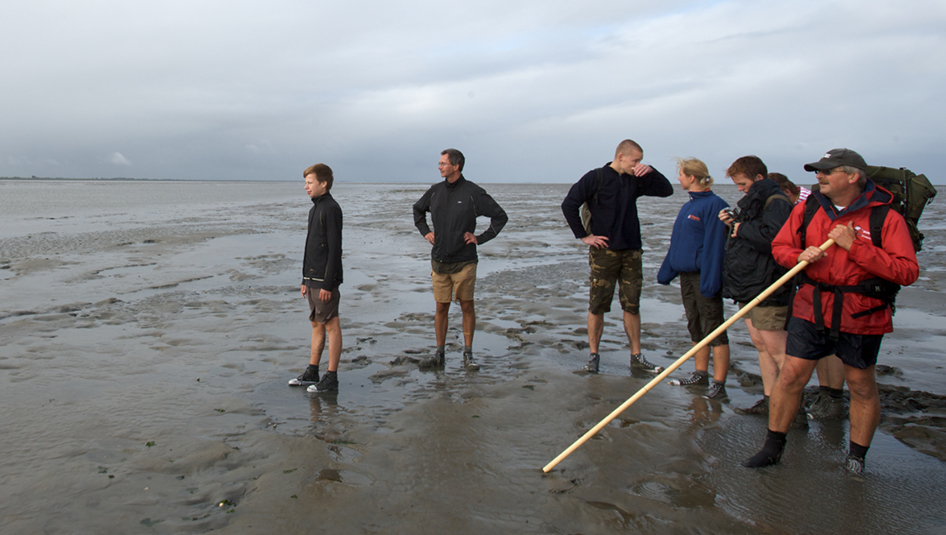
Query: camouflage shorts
{"x": 609, "y": 267}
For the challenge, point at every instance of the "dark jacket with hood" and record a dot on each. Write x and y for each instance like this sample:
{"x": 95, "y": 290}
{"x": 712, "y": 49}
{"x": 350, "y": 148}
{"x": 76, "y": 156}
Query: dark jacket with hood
{"x": 453, "y": 211}
{"x": 749, "y": 267}
{"x": 322, "y": 263}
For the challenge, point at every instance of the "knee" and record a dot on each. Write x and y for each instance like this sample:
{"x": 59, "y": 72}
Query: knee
{"x": 795, "y": 373}
{"x": 861, "y": 386}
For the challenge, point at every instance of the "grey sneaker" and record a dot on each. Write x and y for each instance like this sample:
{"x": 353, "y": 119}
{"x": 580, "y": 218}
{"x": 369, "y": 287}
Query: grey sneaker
{"x": 717, "y": 391}
{"x": 592, "y": 366}
{"x": 468, "y": 361}
{"x": 855, "y": 465}
{"x": 826, "y": 407}
{"x": 436, "y": 361}
{"x": 638, "y": 361}
{"x": 328, "y": 383}
{"x": 761, "y": 408}
{"x": 697, "y": 379}
{"x": 307, "y": 378}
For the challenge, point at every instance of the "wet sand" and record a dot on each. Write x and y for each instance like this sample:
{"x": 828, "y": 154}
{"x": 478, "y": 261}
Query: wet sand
{"x": 147, "y": 332}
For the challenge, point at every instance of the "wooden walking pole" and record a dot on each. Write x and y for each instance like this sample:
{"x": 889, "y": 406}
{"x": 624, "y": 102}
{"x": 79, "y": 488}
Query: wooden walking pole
{"x": 702, "y": 343}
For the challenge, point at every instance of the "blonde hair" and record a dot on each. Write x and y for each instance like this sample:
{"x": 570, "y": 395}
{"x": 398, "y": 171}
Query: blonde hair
{"x": 697, "y": 169}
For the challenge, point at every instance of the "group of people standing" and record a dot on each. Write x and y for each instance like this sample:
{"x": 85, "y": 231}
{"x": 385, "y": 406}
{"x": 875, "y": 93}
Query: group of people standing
{"x": 826, "y": 318}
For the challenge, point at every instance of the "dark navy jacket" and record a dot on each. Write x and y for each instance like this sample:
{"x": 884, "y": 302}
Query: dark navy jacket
{"x": 613, "y": 207}
{"x": 698, "y": 243}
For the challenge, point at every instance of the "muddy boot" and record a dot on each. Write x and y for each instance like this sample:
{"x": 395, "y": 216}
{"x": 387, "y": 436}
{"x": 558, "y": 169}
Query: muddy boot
{"x": 854, "y": 465}
{"x": 828, "y": 405}
{"x": 436, "y": 361}
{"x": 761, "y": 408}
{"x": 592, "y": 366}
{"x": 468, "y": 361}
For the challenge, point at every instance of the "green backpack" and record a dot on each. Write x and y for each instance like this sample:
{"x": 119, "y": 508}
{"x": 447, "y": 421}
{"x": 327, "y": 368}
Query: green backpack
{"x": 911, "y": 194}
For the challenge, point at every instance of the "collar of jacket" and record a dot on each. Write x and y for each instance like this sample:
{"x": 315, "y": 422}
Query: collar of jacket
{"x": 455, "y": 184}
{"x": 871, "y": 196}
{"x": 315, "y": 200}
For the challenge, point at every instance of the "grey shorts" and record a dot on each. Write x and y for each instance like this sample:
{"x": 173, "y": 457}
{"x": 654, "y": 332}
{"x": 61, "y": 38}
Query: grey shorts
{"x": 322, "y": 312}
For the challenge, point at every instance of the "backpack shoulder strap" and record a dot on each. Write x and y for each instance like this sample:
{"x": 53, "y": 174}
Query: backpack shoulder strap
{"x": 599, "y": 174}
{"x": 878, "y": 215}
{"x": 775, "y": 196}
{"x": 811, "y": 206}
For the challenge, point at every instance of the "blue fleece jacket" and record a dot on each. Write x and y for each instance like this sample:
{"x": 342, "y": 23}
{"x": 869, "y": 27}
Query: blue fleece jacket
{"x": 698, "y": 243}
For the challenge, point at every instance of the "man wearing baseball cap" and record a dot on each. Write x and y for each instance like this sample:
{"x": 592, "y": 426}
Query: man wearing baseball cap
{"x": 843, "y": 300}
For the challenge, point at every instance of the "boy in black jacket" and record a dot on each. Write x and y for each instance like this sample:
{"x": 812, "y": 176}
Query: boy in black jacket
{"x": 321, "y": 275}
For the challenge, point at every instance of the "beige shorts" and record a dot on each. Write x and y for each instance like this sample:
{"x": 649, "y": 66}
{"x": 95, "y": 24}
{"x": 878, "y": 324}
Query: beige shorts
{"x": 767, "y": 318}
{"x": 460, "y": 284}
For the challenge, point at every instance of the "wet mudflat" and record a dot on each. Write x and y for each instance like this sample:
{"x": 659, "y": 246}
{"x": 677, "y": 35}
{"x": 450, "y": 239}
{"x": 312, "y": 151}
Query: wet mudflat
{"x": 147, "y": 331}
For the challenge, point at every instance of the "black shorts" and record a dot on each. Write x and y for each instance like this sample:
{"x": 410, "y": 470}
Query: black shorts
{"x": 856, "y": 350}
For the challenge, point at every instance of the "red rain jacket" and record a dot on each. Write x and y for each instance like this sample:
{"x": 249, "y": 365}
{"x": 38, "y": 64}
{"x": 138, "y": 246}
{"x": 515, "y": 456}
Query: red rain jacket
{"x": 894, "y": 261}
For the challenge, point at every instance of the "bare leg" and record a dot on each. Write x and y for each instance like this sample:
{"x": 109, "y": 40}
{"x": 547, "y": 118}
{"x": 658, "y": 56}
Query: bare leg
{"x": 831, "y": 372}
{"x": 768, "y": 368}
{"x": 333, "y": 330}
{"x": 865, "y": 404}
{"x": 318, "y": 343}
{"x": 701, "y": 359}
{"x": 632, "y": 327}
{"x": 720, "y": 362}
{"x": 469, "y": 322}
{"x": 595, "y": 328}
{"x": 440, "y": 323}
{"x": 786, "y": 396}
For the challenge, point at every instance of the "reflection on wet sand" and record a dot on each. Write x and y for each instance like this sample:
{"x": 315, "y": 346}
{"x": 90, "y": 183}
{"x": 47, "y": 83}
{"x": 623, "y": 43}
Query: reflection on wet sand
{"x": 144, "y": 358}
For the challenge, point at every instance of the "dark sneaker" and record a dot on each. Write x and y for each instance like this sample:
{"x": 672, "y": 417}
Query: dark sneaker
{"x": 468, "y": 361}
{"x": 717, "y": 391}
{"x": 855, "y": 465}
{"x": 328, "y": 383}
{"x": 827, "y": 407}
{"x": 307, "y": 378}
{"x": 592, "y": 366}
{"x": 436, "y": 361}
{"x": 761, "y": 408}
{"x": 697, "y": 379}
{"x": 639, "y": 362}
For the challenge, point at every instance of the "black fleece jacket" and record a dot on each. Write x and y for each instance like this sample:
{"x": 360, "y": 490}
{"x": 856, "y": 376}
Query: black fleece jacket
{"x": 453, "y": 211}
{"x": 749, "y": 268}
{"x": 322, "y": 263}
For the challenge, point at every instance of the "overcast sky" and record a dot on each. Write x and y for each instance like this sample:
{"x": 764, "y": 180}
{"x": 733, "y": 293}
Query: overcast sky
{"x": 530, "y": 91}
